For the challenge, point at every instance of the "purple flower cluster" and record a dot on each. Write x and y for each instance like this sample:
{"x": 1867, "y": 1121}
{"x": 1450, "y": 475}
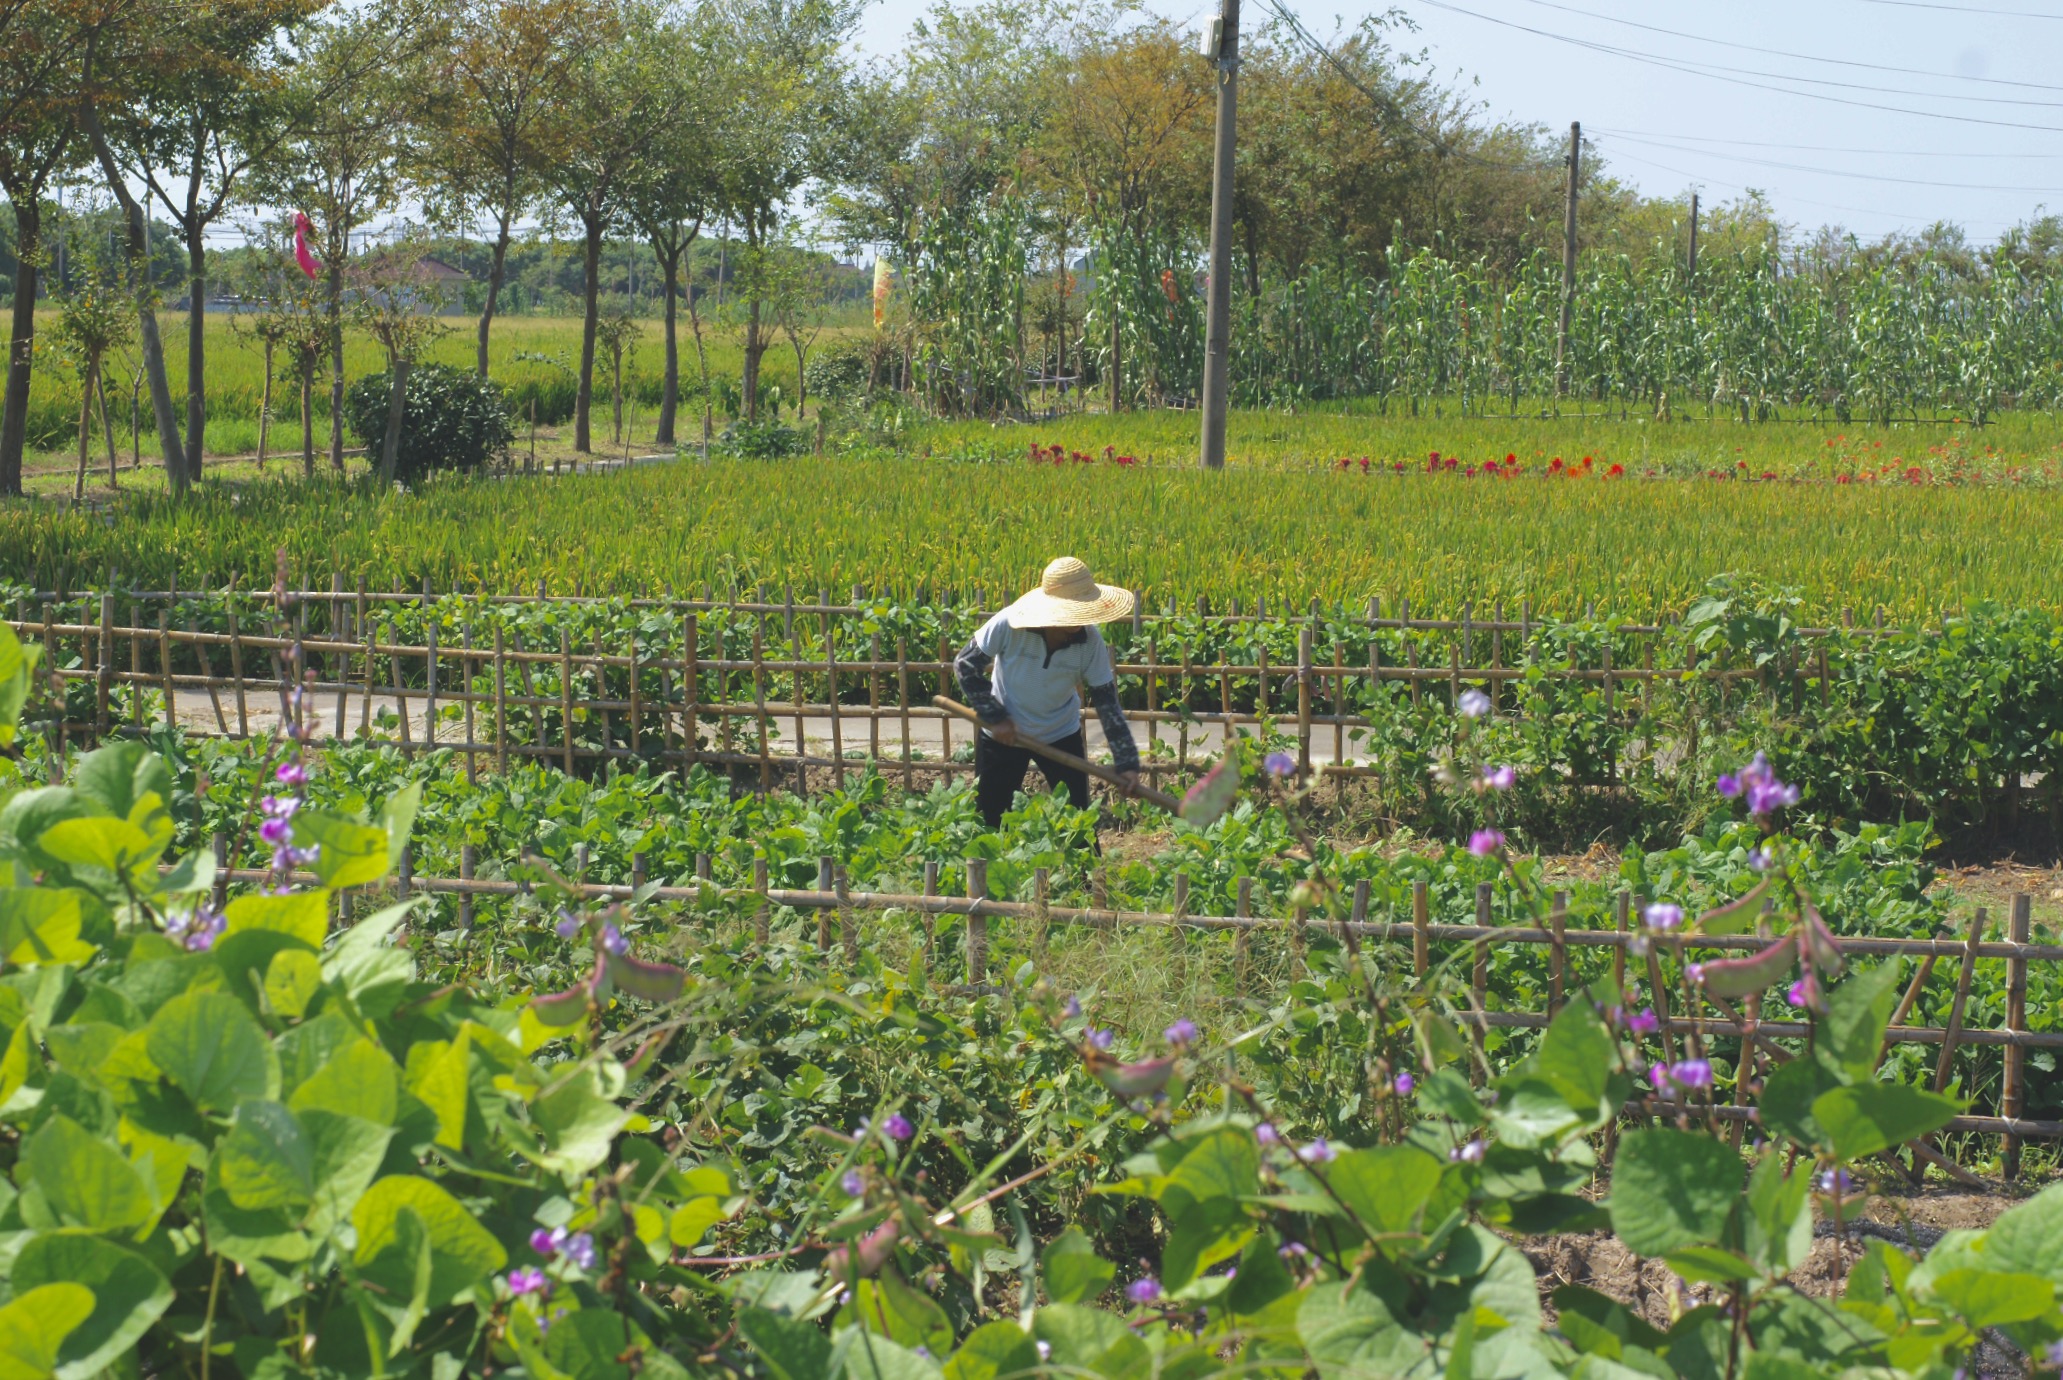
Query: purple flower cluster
{"x": 1662, "y": 916}
{"x": 613, "y": 940}
{"x": 1182, "y": 1032}
{"x": 1835, "y": 1181}
{"x": 1143, "y": 1290}
{"x": 1100, "y": 1038}
{"x": 1484, "y": 843}
{"x": 1805, "y": 991}
{"x": 854, "y": 1183}
{"x": 1498, "y": 778}
{"x": 528, "y": 1279}
{"x": 1318, "y": 1152}
{"x": 1404, "y": 1084}
{"x": 895, "y": 1126}
{"x": 1473, "y": 704}
{"x": 1672, "y": 1079}
{"x": 1758, "y": 784}
{"x": 277, "y": 831}
{"x": 578, "y": 1247}
{"x": 197, "y": 929}
{"x": 1471, "y": 1153}
{"x": 1279, "y": 764}
{"x": 1644, "y": 1021}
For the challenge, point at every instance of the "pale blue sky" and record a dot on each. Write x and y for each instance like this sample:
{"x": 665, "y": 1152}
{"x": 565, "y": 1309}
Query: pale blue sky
{"x": 1661, "y": 127}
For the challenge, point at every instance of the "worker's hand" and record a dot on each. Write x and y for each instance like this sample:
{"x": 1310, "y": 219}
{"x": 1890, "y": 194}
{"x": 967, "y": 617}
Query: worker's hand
{"x": 1003, "y": 731}
{"x": 1129, "y": 782}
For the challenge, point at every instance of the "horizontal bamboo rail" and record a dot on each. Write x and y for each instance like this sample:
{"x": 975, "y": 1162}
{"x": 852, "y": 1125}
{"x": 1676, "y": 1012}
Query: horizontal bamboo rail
{"x": 1420, "y": 933}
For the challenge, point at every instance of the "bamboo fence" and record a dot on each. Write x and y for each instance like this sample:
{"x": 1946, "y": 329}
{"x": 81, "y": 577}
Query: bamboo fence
{"x": 696, "y": 694}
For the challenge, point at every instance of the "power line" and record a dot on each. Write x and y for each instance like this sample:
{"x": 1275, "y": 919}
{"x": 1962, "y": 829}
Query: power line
{"x": 1694, "y": 70}
{"x": 1390, "y": 106}
{"x": 1963, "y": 9}
{"x": 1823, "y": 205}
{"x": 1836, "y": 172}
{"x": 1802, "y": 57}
{"x": 1811, "y": 148}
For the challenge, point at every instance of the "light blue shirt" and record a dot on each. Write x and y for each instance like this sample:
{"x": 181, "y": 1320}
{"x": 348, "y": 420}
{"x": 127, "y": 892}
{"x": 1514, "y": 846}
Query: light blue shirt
{"x": 1037, "y": 688}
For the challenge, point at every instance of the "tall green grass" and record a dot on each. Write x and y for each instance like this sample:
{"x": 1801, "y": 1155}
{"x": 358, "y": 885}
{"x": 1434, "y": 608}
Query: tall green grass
{"x": 904, "y": 524}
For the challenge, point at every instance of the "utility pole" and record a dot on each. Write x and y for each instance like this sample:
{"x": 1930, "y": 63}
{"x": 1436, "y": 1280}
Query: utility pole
{"x": 1222, "y": 47}
{"x": 1561, "y": 340}
{"x": 1694, "y": 239}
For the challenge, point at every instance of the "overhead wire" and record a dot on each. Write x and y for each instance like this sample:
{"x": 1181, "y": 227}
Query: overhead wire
{"x": 1836, "y": 172}
{"x": 1694, "y": 69}
{"x": 1702, "y": 179}
{"x": 1810, "y": 148}
{"x": 1799, "y": 57}
{"x": 1963, "y": 9}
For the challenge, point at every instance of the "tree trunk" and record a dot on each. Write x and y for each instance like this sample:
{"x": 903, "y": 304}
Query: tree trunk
{"x": 754, "y": 348}
{"x": 150, "y": 346}
{"x": 85, "y": 432}
{"x": 494, "y": 272}
{"x": 196, "y": 350}
{"x": 21, "y": 350}
{"x": 397, "y": 399}
{"x": 670, "y": 383}
{"x": 265, "y": 408}
{"x": 308, "y": 424}
{"x": 107, "y": 430}
{"x": 336, "y": 324}
{"x": 591, "y": 293}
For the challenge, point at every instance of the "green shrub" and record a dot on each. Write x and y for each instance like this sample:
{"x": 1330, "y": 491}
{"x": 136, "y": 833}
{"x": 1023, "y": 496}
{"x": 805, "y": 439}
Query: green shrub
{"x": 764, "y": 440}
{"x": 451, "y": 419}
{"x": 841, "y": 371}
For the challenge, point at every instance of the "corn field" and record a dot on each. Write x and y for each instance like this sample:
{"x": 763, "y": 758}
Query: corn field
{"x": 1756, "y": 335}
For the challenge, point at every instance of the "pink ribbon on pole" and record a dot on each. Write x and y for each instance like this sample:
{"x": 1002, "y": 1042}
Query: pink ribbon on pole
{"x": 302, "y": 254}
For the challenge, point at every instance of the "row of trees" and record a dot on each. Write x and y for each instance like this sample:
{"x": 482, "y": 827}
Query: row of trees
{"x": 606, "y": 117}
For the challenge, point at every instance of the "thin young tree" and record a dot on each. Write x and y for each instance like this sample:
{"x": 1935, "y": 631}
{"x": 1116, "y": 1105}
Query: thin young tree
{"x": 621, "y": 100}
{"x": 92, "y": 321}
{"x": 396, "y": 304}
{"x": 341, "y": 162}
{"x": 190, "y": 128}
{"x": 36, "y": 145}
{"x": 485, "y": 101}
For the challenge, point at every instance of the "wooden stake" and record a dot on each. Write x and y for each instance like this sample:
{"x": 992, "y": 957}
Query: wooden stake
{"x": 1421, "y": 929}
{"x": 977, "y": 923}
{"x": 501, "y": 704}
{"x": 2014, "y": 1093}
{"x": 566, "y": 699}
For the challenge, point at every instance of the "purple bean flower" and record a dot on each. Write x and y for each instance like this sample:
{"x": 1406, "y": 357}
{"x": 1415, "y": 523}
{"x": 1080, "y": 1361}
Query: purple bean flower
{"x": 1266, "y": 1133}
{"x": 854, "y": 1183}
{"x": 1289, "y": 1249}
{"x": 1758, "y": 784}
{"x": 2055, "y": 1355}
{"x": 275, "y": 832}
{"x": 1182, "y": 1032}
{"x": 1692, "y": 1073}
{"x": 1485, "y": 842}
{"x": 1404, "y": 1084}
{"x": 528, "y": 1279}
{"x": 1662, "y": 916}
{"x": 1644, "y": 1021}
{"x": 897, "y": 1127}
{"x": 613, "y": 940}
{"x": 1805, "y": 991}
{"x": 541, "y": 1241}
{"x": 291, "y": 773}
{"x": 1729, "y": 785}
{"x": 569, "y": 924}
{"x": 1143, "y": 1290}
{"x": 1045, "y": 1349}
{"x": 1500, "y": 778}
{"x": 1073, "y": 1009}
{"x": 1102, "y": 1039}
{"x": 197, "y": 929}
{"x": 1471, "y": 1153}
{"x": 1279, "y": 764}
{"x": 1318, "y": 1152}
{"x": 1835, "y": 1181}
{"x": 1473, "y": 704}
{"x": 1762, "y": 859}
{"x": 579, "y": 1248}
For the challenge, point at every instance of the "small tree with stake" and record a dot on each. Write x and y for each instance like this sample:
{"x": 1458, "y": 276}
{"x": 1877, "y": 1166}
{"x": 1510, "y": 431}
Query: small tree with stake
{"x": 93, "y": 319}
{"x": 618, "y": 332}
{"x": 397, "y": 307}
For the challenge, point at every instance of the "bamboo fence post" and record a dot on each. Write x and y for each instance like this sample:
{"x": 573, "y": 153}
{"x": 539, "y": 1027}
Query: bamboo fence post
{"x": 600, "y": 698}
{"x": 1621, "y": 905}
{"x": 1181, "y": 911}
{"x": 795, "y": 659}
{"x": 104, "y": 667}
{"x": 2014, "y": 1092}
{"x": 136, "y": 662}
{"x": 831, "y": 698}
{"x": 825, "y": 867}
{"x": 566, "y": 699}
{"x": 925, "y": 920}
{"x": 1152, "y": 705}
{"x": 902, "y": 699}
{"x": 164, "y": 668}
{"x": 467, "y": 861}
{"x": 1339, "y": 707}
{"x": 361, "y": 628}
{"x": 1303, "y": 703}
{"x": 766, "y": 766}
{"x": 637, "y": 701}
{"x": 1242, "y": 938}
{"x": 1299, "y": 964}
{"x": 207, "y": 666}
{"x": 945, "y": 721}
{"x": 1182, "y": 717}
{"x": 1421, "y": 928}
{"x": 1558, "y": 955}
{"x": 977, "y": 923}
{"x": 691, "y": 682}
{"x": 1042, "y": 882}
{"x": 501, "y": 703}
{"x": 236, "y": 672}
{"x": 430, "y": 621}
{"x": 469, "y": 671}
{"x": 400, "y": 687}
{"x": 874, "y": 701}
{"x": 1612, "y": 748}
{"x": 1952, "y": 1033}
{"x": 761, "y": 915}
{"x": 1261, "y": 695}
{"x": 848, "y": 927}
{"x": 339, "y": 669}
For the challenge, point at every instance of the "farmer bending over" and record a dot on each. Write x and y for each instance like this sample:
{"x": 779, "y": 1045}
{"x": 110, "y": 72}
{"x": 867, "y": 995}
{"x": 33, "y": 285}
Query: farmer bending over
{"x": 1019, "y": 672}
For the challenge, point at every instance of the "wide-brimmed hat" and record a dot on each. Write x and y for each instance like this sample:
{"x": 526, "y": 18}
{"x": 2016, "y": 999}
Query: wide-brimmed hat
{"x": 1069, "y": 597}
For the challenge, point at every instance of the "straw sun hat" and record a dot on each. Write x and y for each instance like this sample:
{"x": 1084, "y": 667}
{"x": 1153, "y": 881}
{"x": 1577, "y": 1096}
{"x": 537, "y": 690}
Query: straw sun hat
{"x": 1069, "y": 597}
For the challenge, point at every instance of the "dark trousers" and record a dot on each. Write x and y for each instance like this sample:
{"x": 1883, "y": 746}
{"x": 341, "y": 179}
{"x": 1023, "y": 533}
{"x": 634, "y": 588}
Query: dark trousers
{"x": 999, "y": 774}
